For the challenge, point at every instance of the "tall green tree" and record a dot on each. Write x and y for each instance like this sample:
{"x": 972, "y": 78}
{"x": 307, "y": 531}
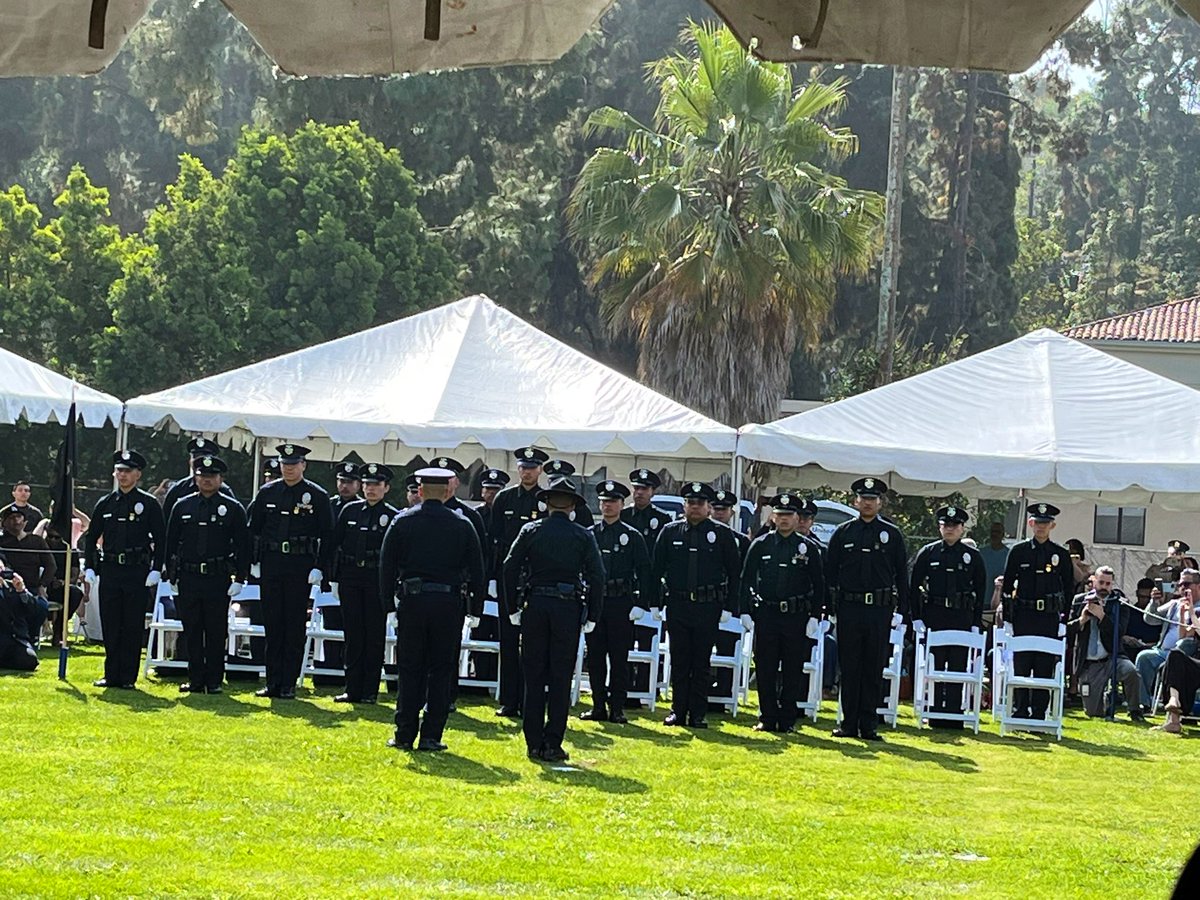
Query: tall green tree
{"x": 717, "y": 235}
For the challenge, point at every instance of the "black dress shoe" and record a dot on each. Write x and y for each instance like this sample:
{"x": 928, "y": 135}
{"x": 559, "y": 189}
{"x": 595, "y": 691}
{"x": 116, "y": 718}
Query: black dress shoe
{"x": 696, "y": 722}
{"x": 213, "y": 689}
{"x": 510, "y": 712}
{"x": 844, "y": 732}
{"x": 534, "y": 753}
{"x": 763, "y": 726}
{"x": 453, "y": 707}
{"x": 673, "y": 719}
{"x": 425, "y": 745}
{"x": 267, "y": 692}
{"x": 100, "y": 682}
{"x": 593, "y": 715}
{"x": 345, "y": 698}
{"x": 369, "y": 701}
{"x": 787, "y": 729}
{"x": 397, "y": 744}
{"x": 555, "y": 754}
{"x": 127, "y": 686}
{"x": 618, "y": 718}
{"x": 289, "y": 694}
{"x": 1136, "y": 716}
{"x": 186, "y": 688}
{"x": 872, "y": 736}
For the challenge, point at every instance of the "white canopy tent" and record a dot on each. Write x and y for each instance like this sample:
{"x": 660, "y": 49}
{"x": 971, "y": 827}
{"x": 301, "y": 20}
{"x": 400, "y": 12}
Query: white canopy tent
{"x": 1044, "y": 413}
{"x": 468, "y": 379}
{"x": 34, "y": 393}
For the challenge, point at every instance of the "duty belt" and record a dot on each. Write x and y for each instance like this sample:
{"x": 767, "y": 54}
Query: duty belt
{"x": 618, "y": 587}
{"x": 414, "y": 586}
{"x": 961, "y": 600}
{"x": 369, "y": 561}
{"x": 139, "y": 556}
{"x": 218, "y": 566}
{"x": 562, "y": 589}
{"x": 882, "y": 597}
{"x": 706, "y": 593}
{"x": 292, "y": 546}
{"x": 1053, "y": 603}
{"x": 795, "y": 604}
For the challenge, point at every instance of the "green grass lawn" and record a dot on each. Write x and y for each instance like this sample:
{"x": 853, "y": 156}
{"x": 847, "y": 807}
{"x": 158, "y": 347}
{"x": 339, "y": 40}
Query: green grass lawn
{"x": 153, "y": 793}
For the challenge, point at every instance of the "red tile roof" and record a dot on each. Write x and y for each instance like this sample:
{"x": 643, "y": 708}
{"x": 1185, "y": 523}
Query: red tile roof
{"x": 1175, "y": 322}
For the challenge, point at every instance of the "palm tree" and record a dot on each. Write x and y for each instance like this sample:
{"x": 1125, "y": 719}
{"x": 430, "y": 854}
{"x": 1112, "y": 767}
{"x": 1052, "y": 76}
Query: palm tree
{"x": 717, "y": 238}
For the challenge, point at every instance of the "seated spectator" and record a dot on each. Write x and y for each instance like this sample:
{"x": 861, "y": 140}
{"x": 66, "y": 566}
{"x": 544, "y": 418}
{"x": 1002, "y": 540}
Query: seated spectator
{"x": 1181, "y": 675}
{"x": 20, "y": 622}
{"x": 27, "y": 555}
{"x": 1144, "y": 626}
{"x": 21, "y": 492}
{"x": 1091, "y": 623}
{"x": 1167, "y": 615}
{"x": 1172, "y": 564}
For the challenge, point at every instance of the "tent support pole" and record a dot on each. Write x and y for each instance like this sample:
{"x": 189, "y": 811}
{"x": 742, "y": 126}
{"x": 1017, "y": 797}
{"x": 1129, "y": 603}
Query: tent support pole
{"x": 737, "y": 476}
{"x": 122, "y": 438}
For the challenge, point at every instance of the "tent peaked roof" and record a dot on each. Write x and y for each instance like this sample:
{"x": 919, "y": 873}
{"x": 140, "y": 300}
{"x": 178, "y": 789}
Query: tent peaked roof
{"x": 40, "y": 395}
{"x": 467, "y": 373}
{"x": 1043, "y": 412}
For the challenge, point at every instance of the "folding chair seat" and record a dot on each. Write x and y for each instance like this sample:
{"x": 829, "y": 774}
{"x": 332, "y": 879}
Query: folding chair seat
{"x": 1056, "y": 648}
{"x": 652, "y": 657}
{"x": 737, "y": 662}
{"x": 317, "y": 633}
{"x": 240, "y": 632}
{"x": 162, "y": 634}
{"x": 928, "y": 676}
{"x": 467, "y": 672}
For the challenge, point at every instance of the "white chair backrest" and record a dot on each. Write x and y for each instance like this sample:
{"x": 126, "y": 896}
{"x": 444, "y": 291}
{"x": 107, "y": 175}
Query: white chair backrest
{"x": 897, "y": 636}
{"x": 955, "y": 639}
{"x": 491, "y": 608}
{"x": 249, "y": 592}
{"x": 1032, "y": 643}
{"x": 325, "y": 599}
{"x": 164, "y": 590}
{"x": 733, "y": 626}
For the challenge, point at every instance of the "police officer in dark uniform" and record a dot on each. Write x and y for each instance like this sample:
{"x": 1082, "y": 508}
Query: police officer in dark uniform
{"x": 515, "y": 506}
{"x": 648, "y": 519}
{"x": 348, "y": 488}
{"x": 698, "y": 562}
{"x": 629, "y": 591}
{"x": 783, "y": 587}
{"x": 428, "y": 553}
{"x": 351, "y": 559}
{"x": 867, "y": 575}
{"x": 453, "y": 503}
{"x": 564, "y": 591}
{"x": 208, "y": 559}
{"x": 412, "y": 495}
{"x": 289, "y": 519}
{"x": 129, "y": 523}
{"x": 491, "y": 483}
{"x": 947, "y": 588}
{"x": 560, "y": 468}
{"x": 197, "y": 448}
{"x": 1039, "y": 582}
{"x": 270, "y": 469}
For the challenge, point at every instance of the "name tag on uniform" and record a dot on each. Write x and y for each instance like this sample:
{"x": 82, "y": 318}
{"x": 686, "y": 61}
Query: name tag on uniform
{"x": 766, "y": 556}
{"x": 676, "y": 543}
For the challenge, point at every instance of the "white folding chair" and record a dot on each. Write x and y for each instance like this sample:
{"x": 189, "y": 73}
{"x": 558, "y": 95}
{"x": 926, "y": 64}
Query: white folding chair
{"x": 162, "y": 635}
{"x": 1000, "y": 637}
{"x": 577, "y": 680}
{"x": 467, "y": 677}
{"x": 814, "y": 668}
{"x": 240, "y": 632}
{"x": 892, "y": 673}
{"x": 737, "y": 662}
{"x": 317, "y": 633}
{"x": 652, "y": 657}
{"x": 1056, "y": 648}
{"x": 928, "y": 676}
{"x": 389, "y": 650}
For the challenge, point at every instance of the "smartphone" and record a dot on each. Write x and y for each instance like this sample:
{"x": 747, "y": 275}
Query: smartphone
{"x": 1168, "y": 587}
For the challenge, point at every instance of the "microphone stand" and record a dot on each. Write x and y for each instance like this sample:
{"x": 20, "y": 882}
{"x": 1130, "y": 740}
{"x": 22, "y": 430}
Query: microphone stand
{"x": 1112, "y": 609}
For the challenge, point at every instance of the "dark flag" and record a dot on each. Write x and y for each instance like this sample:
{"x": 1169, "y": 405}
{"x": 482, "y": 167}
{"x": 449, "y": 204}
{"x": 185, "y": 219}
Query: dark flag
{"x": 60, "y": 519}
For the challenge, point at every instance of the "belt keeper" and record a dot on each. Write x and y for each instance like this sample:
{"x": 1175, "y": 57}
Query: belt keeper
{"x": 1041, "y": 605}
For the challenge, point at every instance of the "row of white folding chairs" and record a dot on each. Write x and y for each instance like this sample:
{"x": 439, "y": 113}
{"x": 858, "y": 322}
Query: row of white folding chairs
{"x": 1006, "y": 682}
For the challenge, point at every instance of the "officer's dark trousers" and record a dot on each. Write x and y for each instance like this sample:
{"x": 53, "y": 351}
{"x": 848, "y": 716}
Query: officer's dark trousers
{"x": 123, "y": 603}
{"x": 863, "y": 632}
{"x": 1041, "y": 665}
{"x": 780, "y": 651}
{"x": 512, "y": 684}
{"x": 284, "y": 587}
{"x": 608, "y": 649}
{"x": 948, "y": 697}
{"x": 203, "y": 607}
{"x": 549, "y": 642}
{"x": 364, "y": 622}
{"x": 428, "y": 629}
{"x": 692, "y": 628}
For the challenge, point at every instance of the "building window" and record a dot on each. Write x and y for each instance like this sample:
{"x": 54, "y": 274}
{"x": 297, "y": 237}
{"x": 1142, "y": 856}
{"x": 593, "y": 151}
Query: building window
{"x": 1120, "y": 525}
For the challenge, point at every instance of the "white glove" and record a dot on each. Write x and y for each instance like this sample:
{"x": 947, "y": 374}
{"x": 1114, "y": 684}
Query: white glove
{"x": 256, "y": 570}
{"x": 656, "y": 614}
{"x": 89, "y": 575}
{"x": 726, "y": 615}
{"x": 896, "y": 619}
{"x": 153, "y": 578}
{"x": 746, "y": 620}
{"x": 473, "y": 621}
{"x": 492, "y": 592}
{"x": 813, "y": 628}
{"x": 589, "y": 626}
{"x": 333, "y": 589}
{"x": 315, "y": 576}
{"x": 515, "y": 618}
{"x": 234, "y": 589}
{"x": 918, "y": 626}
{"x": 636, "y": 613}
{"x": 1062, "y": 629}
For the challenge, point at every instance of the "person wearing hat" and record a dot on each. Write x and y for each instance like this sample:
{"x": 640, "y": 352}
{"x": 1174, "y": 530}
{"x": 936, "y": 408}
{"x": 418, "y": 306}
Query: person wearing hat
{"x": 289, "y": 521}
{"x": 648, "y": 519}
{"x": 491, "y": 483}
{"x": 454, "y": 504}
{"x": 196, "y": 448}
{"x": 783, "y": 588}
{"x": 348, "y": 487}
{"x": 724, "y": 510}
{"x": 270, "y": 469}
{"x": 208, "y": 560}
{"x": 124, "y": 541}
{"x": 1168, "y": 570}
{"x": 948, "y": 589}
{"x": 629, "y": 590}
{"x": 515, "y": 507}
{"x": 564, "y": 590}
{"x": 1039, "y": 582}
{"x": 428, "y": 555}
{"x": 698, "y": 563}
{"x": 866, "y": 569}
{"x": 412, "y": 492}
{"x": 560, "y": 468}
{"x": 351, "y": 557}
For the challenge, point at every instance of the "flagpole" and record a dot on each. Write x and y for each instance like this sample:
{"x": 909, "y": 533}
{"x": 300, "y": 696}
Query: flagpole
{"x": 69, "y": 496}
{"x": 66, "y": 614}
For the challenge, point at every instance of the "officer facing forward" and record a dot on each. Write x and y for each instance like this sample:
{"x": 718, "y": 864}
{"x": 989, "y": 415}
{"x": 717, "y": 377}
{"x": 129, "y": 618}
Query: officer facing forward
{"x": 1039, "y": 582}
{"x": 125, "y": 541}
{"x": 428, "y": 553}
{"x": 208, "y": 559}
{"x": 783, "y": 586}
{"x": 348, "y": 486}
{"x": 698, "y": 562}
{"x": 290, "y": 519}
{"x": 947, "y": 588}
{"x": 560, "y": 558}
{"x": 867, "y": 569}
{"x": 649, "y": 520}
{"x": 629, "y": 590}
{"x": 352, "y": 561}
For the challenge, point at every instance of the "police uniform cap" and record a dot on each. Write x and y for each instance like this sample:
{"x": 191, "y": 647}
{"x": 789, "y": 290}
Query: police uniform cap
{"x": 611, "y": 490}
{"x": 270, "y": 467}
{"x": 292, "y": 453}
{"x": 724, "y": 500}
{"x": 807, "y": 506}
{"x": 11, "y": 510}
{"x": 128, "y": 459}
{"x": 528, "y": 457}
{"x": 411, "y": 483}
{"x": 562, "y": 486}
{"x": 1043, "y": 512}
{"x": 494, "y": 478}
{"x": 209, "y": 465}
{"x": 448, "y": 462}
{"x": 1178, "y": 546}
{"x": 645, "y": 478}
{"x": 374, "y": 473}
{"x": 559, "y": 467}
{"x": 787, "y": 502}
{"x": 952, "y": 515}
{"x": 869, "y": 487}
{"x": 347, "y": 471}
{"x": 434, "y": 475}
{"x": 200, "y": 446}
{"x": 698, "y": 490}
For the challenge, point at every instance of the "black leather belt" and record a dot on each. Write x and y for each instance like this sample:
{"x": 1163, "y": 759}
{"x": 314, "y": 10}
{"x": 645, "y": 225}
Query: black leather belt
{"x": 292, "y": 546}
{"x": 798, "y": 603}
{"x": 562, "y": 590}
{"x": 708, "y": 593}
{"x": 415, "y": 586}
{"x": 1053, "y": 603}
{"x": 207, "y": 567}
{"x": 139, "y": 556}
{"x": 882, "y": 597}
{"x": 962, "y": 600}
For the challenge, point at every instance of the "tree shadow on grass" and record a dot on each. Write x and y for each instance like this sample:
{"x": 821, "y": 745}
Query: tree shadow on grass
{"x": 450, "y": 765}
{"x": 580, "y": 776}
